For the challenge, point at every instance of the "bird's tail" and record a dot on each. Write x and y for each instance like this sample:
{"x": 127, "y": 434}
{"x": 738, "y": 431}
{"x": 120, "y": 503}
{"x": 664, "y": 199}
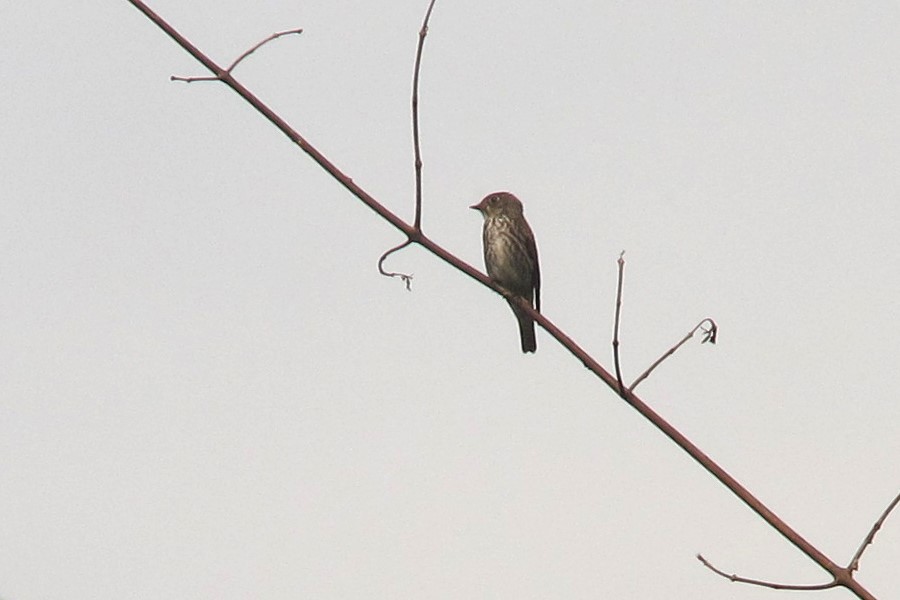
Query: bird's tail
{"x": 526, "y": 330}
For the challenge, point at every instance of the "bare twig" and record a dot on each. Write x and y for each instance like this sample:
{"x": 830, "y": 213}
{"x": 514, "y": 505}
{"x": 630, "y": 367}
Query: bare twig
{"x": 854, "y": 564}
{"x": 417, "y": 222}
{"x": 404, "y": 277}
{"x": 417, "y": 151}
{"x": 768, "y": 584}
{"x": 709, "y": 336}
{"x": 621, "y": 263}
{"x": 193, "y": 79}
{"x": 416, "y": 236}
{"x": 274, "y": 36}
{"x": 237, "y": 61}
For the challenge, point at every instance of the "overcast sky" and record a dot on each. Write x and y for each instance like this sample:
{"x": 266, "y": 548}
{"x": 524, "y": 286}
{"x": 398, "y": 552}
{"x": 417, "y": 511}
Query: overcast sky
{"x": 208, "y": 392}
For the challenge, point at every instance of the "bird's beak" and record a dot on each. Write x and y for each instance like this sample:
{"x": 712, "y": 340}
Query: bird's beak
{"x": 476, "y": 206}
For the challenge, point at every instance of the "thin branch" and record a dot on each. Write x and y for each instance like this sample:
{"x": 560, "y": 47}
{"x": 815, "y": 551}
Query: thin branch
{"x": 417, "y": 222}
{"x": 615, "y": 343}
{"x": 405, "y": 278}
{"x": 854, "y": 564}
{"x": 193, "y": 79}
{"x": 274, "y": 36}
{"x": 769, "y": 584}
{"x": 709, "y": 336}
{"x": 237, "y": 61}
{"x": 416, "y": 236}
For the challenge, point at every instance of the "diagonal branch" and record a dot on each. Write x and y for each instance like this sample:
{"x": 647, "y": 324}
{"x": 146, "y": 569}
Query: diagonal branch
{"x": 842, "y": 576}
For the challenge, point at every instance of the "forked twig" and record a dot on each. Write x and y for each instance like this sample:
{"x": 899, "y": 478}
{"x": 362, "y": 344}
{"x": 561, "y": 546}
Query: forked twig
{"x": 615, "y": 343}
{"x": 709, "y": 336}
{"x": 768, "y": 584}
{"x": 845, "y": 573}
{"x": 417, "y": 152}
{"x": 237, "y": 61}
{"x": 854, "y": 563}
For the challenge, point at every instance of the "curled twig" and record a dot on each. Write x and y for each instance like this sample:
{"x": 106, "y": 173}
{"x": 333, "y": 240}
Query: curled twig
{"x": 769, "y": 584}
{"x": 854, "y": 564}
{"x": 237, "y": 61}
{"x": 621, "y": 263}
{"x": 407, "y": 279}
{"x": 709, "y": 335}
{"x": 417, "y": 152}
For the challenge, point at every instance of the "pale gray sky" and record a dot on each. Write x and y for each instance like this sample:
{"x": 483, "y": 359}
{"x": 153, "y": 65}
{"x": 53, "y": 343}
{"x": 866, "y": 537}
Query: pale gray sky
{"x": 209, "y": 392}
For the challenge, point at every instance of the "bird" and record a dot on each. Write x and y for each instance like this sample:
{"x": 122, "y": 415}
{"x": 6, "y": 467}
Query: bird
{"x": 511, "y": 257}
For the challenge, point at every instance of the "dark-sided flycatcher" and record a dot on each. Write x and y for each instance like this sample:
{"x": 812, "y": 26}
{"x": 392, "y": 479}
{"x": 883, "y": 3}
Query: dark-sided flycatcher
{"x": 510, "y": 256}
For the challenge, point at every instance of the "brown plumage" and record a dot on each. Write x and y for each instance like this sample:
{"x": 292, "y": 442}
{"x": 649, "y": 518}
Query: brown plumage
{"x": 511, "y": 258}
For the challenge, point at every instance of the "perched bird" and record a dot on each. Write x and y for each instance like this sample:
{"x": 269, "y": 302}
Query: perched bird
{"x": 510, "y": 256}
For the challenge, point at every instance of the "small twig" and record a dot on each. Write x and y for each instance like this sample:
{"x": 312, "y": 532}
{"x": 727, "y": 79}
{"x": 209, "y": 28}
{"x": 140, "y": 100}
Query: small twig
{"x": 274, "y": 36}
{"x": 854, "y": 564}
{"x": 407, "y": 279}
{"x": 769, "y": 584}
{"x": 709, "y": 336}
{"x": 417, "y": 223}
{"x": 237, "y": 61}
{"x": 193, "y": 79}
{"x": 615, "y": 343}
{"x": 417, "y": 151}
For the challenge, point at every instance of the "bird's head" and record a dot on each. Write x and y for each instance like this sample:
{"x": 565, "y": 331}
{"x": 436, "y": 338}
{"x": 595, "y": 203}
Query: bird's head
{"x": 498, "y": 203}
